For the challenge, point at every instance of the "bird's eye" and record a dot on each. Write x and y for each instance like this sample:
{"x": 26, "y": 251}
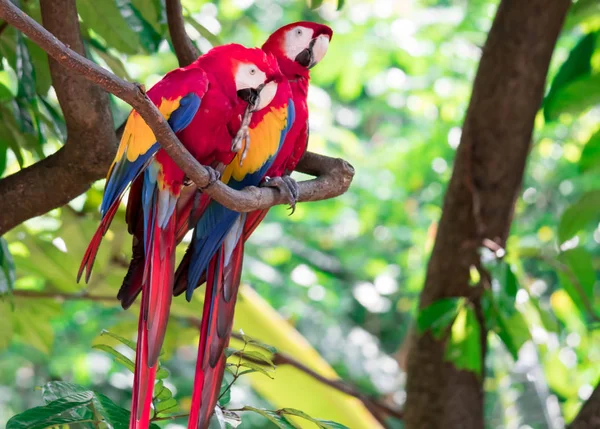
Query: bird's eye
{"x": 299, "y": 32}
{"x": 253, "y": 71}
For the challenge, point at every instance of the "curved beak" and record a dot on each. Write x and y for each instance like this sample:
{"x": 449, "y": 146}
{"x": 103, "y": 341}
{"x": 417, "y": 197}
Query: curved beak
{"x": 316, "y": 50}
{"x": 260, "y": 97}
{"x": 266, "y": 95}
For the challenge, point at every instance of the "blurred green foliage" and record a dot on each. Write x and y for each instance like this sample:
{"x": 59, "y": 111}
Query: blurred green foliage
{"x": 389, "y": 97}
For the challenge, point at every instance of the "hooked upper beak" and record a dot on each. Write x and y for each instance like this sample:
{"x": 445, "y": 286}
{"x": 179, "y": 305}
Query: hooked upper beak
{"x": 259, "y": 97}
{"x": 316, "y": 50}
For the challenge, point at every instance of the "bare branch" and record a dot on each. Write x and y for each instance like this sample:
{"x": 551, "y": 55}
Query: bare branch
{"x": 281, "y": 358}
{"x": 59, "y": 296}
{"x": 90, "y": 144}
{"x": 246, "y": 200}
{"x": 184, "y": 48}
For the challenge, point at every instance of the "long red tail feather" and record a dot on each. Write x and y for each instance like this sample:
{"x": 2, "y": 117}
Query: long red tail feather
{"x": 215, "y": 331}
{"x": 90, "y": 254}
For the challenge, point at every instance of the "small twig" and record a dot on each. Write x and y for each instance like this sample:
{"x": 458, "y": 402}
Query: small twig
{"x": 185, "y": 50}
{"x": 62, "y": 296}
{"x": 334, "y": 178}
{"x": 178, "y": 416}
{"x": 281, "y": 358}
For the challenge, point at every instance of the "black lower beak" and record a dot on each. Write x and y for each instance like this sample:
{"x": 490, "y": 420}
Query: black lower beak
{"x": 306, "y": 57}
{"x": 249, "y": 95}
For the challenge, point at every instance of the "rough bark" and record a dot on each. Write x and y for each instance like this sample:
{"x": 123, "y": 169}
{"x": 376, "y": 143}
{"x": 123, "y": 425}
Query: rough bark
{"x": 589, "y": 415}
{"x": 479, "y": 202}
{"x": 184, "y": 48}
{"x": 90, "y": 144}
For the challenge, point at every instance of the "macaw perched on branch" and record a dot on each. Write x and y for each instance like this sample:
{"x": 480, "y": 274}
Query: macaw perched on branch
{"x": 297, "y": 47}
{"x": 202, "y": 103}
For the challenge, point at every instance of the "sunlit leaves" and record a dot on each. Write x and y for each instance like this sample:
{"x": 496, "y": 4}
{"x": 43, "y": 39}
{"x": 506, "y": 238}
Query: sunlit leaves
{"x": 68, "y": 403}
{"x": 579, "y": 215}
{"x": 590, "y": 157}
{"x": 50, "y": 414}
{"x": 281, "y": 418}
{"x": 574, "y": 88}
{"x": 439, "y": 315}
{"x": 464, "y": 347}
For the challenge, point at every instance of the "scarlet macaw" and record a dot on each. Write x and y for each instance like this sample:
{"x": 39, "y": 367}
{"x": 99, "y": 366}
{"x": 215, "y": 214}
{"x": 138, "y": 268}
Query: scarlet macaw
{"x": 297, "y": 47}
{"x": 201, "y": 102}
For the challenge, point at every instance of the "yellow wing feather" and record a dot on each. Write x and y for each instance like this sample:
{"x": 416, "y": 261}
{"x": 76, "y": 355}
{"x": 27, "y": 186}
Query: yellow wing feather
{"x": 264, "y": 143}
{"x": 138, "y": 138}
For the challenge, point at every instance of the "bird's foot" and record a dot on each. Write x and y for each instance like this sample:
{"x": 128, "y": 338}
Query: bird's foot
{"x": 214, "y": 175}
{"x": 287, "y": 186}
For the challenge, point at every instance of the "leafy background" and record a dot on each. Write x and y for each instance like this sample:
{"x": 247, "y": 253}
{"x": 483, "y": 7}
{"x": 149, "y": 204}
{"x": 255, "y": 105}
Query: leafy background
{"x": 389, "y": 97}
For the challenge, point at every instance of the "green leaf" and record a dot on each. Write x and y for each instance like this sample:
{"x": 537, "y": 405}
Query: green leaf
{"x": 168, "y": 405}
{"x": 574, "y": 98}
{"x": 105, "y": 19}
{"x": 9, "y": 85}
{"x": 578, "y": 63}
{"x": 323, "y": 424}
{"x": 438, "y": 315}
{"x": 259, "y": 344}
{"x": 119, "y": 357}
{"x": 7, "y": 268}
{"x": 214, "y": 40}
{"x": 116, "y": 416}
{"x": 581, "y": 278}
{"x": 513, "y": 332}
{"x": 47, "y": 415}
{"x": 119, "y": 338}
{"x": 579, "y": 215}
{"x": 54, "y": 390}
{"x": 149, "y": 38}
{"x": 272, "y": 416}
{"x": 161, "y": 374}
{"x": 3, "y": 155}
{"x": 150, "y": 11}
{"x": 590, "y": 157}
{"x": 37, "y": 335}
{"x": 256, "y": 357}
{"x": 25, "y": 71}
{"x": 581, "y": 11}
{"x": 224, "y": 392}
{"x": 463, "y": 348}
{"x": 340, "y": 4}
{"x": 258, "y": 368}
{"x": 41, "y": 68}
{"x": 315, "y": 4}
{"x": 162, "y": 392}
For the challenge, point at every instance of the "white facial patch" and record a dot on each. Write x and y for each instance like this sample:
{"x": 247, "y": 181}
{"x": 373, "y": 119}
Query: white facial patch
{"x": 248, "y": 75}
{"x": 267, "y": 94}
{"x": 297, "y": 39}
{"x": 320, "y": 48}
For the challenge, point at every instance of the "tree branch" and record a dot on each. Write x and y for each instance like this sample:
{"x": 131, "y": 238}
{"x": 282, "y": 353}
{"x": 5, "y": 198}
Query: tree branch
{"x": 480, "y": 198}
{"x": 589, "y": 415}
{"x": 281, "y": 358}
{"x": 63, "y": 296}
{"x": 248, "y": 199}
{"x": 184, "y": 48}
{"x": 90, "y": 144}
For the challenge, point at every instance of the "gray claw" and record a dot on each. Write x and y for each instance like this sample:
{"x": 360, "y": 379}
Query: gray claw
{"x": 287, "y": 186}
{"x": 213, "y": 176}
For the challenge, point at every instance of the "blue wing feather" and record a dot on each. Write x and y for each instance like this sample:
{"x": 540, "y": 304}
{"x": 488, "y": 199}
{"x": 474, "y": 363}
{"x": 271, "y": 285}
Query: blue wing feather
{"x": 217, "y": 220}
{"x": 126, "y": 171}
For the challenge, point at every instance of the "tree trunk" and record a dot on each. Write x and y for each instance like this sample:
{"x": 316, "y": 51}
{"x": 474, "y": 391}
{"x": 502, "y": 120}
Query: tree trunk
{"x": 589, "y": 415}
{"x": 479, "y": 202}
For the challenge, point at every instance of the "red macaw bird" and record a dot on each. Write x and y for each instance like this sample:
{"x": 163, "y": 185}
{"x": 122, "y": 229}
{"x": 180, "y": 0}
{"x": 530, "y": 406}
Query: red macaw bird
{"x": 297, "y": 47}
{"x": 202, "y": 103}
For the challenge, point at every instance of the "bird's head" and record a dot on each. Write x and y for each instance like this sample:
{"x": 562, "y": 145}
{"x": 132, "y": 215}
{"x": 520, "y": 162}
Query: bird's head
{"x": 303, "y": 42}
